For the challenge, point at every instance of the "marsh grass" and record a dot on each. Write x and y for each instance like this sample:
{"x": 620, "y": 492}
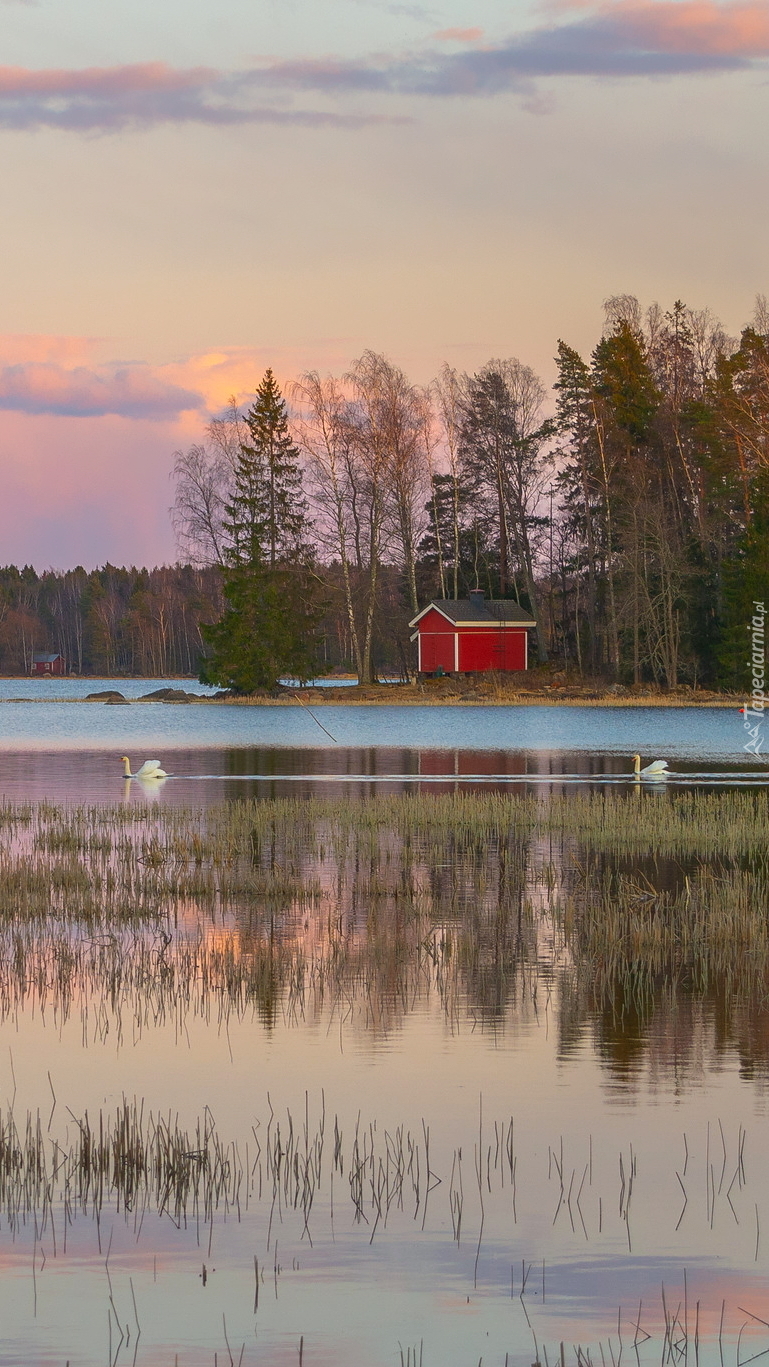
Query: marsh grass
{"x": 608, "y": 908}
{"x": 298, "y": 908}
{"x": 132, "y": 1161}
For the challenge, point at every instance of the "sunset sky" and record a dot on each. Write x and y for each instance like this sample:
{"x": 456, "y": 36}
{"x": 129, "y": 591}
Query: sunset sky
{"x": 194, "y": 192}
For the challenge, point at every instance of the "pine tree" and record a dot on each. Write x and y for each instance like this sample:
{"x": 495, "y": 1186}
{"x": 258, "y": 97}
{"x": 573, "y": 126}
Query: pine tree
{"x": 267, "y": 516}
{"x": 269, "y": 625}
{"x": 576, "y": 424}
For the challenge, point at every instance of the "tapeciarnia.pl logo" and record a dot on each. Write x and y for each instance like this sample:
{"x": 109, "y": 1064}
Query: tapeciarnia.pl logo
{"x": 754, "y": 709}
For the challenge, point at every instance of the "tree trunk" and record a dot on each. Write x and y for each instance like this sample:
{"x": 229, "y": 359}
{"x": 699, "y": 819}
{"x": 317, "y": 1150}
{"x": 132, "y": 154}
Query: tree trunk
{"x": 613, "y": 632}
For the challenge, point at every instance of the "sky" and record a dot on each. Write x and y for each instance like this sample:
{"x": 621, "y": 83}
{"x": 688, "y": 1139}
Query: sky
{"x": 191, "y": 193}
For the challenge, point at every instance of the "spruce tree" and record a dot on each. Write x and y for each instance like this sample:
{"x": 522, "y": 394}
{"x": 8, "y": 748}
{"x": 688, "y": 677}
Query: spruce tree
{"x": 269, "y": 625}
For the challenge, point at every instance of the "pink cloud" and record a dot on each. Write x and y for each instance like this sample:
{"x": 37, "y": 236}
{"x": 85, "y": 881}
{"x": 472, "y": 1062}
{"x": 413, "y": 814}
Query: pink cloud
{"x": 695, "y": 26}
{"x": 459, "y": 35}
{"x": 110, "y": 81}
{"x": 63, "y": 376}
{"x": 145, "y": 94}
{"x": 626, "y": 38}
{"x": 217, "y": 375}
{"x": 621, "y": 39}
{"x": 83, "y": 483}
{"x": 37, "y": 387}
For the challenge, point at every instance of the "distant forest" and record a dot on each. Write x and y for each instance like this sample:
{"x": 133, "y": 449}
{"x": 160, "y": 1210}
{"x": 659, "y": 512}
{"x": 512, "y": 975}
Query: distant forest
{"x": 114, "y": 621}
{"x": 629, "y": 512}
{"x": 109, "y": 621}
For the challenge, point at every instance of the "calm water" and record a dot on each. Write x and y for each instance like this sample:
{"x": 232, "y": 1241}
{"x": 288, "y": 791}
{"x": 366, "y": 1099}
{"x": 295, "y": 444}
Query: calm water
{"x": 70, "y": 750}
{"x": 639, "y": 1145}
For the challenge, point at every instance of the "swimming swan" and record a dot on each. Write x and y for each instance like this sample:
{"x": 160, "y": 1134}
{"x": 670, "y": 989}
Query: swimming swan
{"x": 150, "y": 769}
{"x": 657, "y": 769}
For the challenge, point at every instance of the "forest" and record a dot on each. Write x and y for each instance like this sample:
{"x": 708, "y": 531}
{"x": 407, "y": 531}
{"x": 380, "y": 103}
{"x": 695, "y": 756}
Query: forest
{"x": 108, "y": 621}
{"x": 628, "y": 510}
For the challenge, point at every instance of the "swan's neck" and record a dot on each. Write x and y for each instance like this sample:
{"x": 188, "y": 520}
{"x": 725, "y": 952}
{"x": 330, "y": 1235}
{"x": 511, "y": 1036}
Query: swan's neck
{"x": 637, "y": 765}
{"x": 127, "y": 769}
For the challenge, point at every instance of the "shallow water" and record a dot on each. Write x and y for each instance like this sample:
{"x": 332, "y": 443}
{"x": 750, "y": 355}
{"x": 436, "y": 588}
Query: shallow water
{"x": 639, "y": 1142}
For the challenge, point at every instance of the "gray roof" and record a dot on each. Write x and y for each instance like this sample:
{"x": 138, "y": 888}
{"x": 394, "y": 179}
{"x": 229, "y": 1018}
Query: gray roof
{"x": 492, "y": 610}
{"x": 39, "y": 658}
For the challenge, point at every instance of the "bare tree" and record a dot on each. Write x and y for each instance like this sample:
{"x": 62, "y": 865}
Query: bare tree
{"x": 368, "y": 463}
{"x": 450, "y": 391}
{"x": 622, "y": 310}
{"x": 203, "y": 476}
{"x": 505, "y": 451}
{"x": 529, "y": 472}
{"x": 198, "y": 510}
{"x": 325, "y": 434}
{"x": 398, "y": 429}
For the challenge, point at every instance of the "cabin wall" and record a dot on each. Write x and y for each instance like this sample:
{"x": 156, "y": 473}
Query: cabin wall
{"x": 437, "y": 650}
{"x": 469, "y": 650}
{"x": 483, "y": 649}
{"x": 435, "y": 621}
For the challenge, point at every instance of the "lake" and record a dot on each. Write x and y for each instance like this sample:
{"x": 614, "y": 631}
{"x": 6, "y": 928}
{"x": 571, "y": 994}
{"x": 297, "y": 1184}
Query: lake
{"x": 69, "y": 750}
{"x": 293, "y": 1072}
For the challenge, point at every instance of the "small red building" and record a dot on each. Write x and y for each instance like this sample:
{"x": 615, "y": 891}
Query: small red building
{"x": 48, "y": 663}
{"x": 473, "y": 634}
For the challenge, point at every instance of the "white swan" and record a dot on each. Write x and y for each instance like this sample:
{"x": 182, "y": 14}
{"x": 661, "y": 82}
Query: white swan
{"x": 657, "y": 769}
{"x": 150, "y": 769}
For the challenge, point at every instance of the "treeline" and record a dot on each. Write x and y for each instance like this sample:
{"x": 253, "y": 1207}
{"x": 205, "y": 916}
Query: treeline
{"x": 662, "y": 538}
{"x": 109, "y": 621}
{"x": 628, "y": 511}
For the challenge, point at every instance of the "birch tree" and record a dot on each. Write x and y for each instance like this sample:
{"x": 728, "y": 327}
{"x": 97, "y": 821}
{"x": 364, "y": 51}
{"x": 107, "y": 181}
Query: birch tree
{"x": 204, "y": 477}
{"x": 326, "y": 433}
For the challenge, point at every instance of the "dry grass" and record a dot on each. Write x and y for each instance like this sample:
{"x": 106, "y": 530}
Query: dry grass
{"x": 294, "y": 909}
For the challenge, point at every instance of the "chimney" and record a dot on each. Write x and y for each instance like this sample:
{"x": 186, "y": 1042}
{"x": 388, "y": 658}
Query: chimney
{"x": 476, "y": 599}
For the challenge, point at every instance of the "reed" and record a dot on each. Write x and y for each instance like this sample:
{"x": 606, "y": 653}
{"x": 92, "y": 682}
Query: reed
{"x": 288, "y": 908}
{"x": 608, "y": 906}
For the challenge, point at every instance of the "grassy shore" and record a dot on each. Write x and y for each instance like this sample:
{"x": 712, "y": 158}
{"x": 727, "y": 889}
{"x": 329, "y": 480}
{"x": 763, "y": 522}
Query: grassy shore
{"x": 451, "y": 693}
{"x": 531, "y": 688}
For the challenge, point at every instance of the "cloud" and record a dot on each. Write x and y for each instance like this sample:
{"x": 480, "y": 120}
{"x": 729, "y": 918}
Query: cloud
{"x": 108, "y": 99}
{"x": 626, "y": 38}
{"x": 459, "y": 35}
{"x": 62, "y": 377}
{"x": 732, "y": 30}
{"x": 36, "y": 387}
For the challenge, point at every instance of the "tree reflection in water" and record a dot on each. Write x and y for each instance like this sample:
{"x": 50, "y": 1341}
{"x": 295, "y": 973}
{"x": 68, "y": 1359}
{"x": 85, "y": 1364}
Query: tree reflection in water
{"x": 642, "y": 925}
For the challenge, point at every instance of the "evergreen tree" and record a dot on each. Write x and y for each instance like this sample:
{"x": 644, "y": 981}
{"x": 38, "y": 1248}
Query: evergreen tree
{"x": 266, "y": 518}
{"x": 746, "y": 581}
{"x": 269, "y": 625}
{"x": 580, "y": 481}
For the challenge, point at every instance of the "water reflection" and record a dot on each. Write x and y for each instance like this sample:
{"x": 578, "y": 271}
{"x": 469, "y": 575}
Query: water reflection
{"x": 204, "y": 777}
{"x": 415, "y": 1054}
{"x": 420, "y": 1043}
{"x": 491, "y": 911}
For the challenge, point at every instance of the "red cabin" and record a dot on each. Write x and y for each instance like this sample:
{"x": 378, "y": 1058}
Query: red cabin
{"x": 469, "y": 635}
{"x": 48, "y": 663}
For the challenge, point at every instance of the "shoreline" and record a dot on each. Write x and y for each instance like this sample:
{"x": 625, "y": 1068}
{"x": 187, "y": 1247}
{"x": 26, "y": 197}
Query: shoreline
{"x": 309, "y": 700}
{"x": 313, "y": 701}
{"x": 434, "y": 693}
